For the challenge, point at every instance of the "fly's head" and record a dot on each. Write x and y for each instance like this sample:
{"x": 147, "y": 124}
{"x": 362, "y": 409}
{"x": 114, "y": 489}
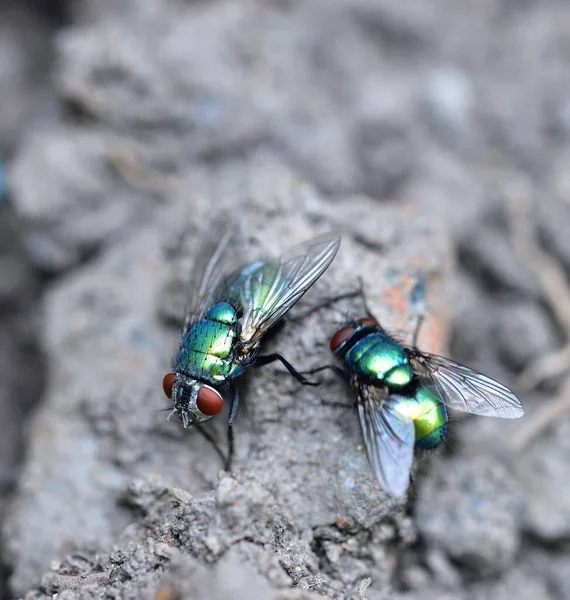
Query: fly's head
{"x": 339, "y": 341}
{"x": 194, "y": 402}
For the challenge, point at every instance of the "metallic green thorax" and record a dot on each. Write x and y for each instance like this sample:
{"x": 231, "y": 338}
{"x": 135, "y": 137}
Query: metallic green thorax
{"x": 206, "y": 352}
{"x": 429, "y": 416}
{"x": 380, "y": 360}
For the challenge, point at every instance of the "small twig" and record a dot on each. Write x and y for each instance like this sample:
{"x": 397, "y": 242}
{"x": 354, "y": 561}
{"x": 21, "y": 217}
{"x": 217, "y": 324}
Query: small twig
{"x": 323, "y": 304}
{"x": 552, "y": 279}
{"x": 542, "y": 418}
{"x": 546, "y": 367}
{"x": 135, "y": 174}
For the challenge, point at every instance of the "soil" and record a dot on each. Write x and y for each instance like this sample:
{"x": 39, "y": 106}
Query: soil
{"x": 435, "y": 137}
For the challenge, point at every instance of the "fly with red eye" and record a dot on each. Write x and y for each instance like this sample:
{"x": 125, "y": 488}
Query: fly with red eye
{"x": 235, "y": 302}
{"x": 403, "y": 394}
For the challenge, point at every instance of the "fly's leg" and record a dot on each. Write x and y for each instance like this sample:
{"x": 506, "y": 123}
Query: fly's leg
{"x": 362, "y": 294}
{"x": 360, "y": 291}
{"x": 211, "y": 440}
{"x": 339, "y": 373}
{"x": 233, "y": 412}
{"x": 336, "y": 404}
{"x": 324, "y": 304}
{"x": 336, "y": 370}
{"x": 417, "y": 330}
{"x": 412, "y": 492}
{"x": 234, "y": 403}
{"x": 226, "y": 460}
{"x": 269, "y": 358}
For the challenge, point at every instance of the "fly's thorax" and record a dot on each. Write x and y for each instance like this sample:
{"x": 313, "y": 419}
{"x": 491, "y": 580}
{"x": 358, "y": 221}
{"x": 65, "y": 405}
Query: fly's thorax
{"x": 215, "y": 333}
{"x": 380, "y": 359}
{"x": 222, "y": 312}
{"x": 429, "y": 415}
{"x": 208, "y": 348}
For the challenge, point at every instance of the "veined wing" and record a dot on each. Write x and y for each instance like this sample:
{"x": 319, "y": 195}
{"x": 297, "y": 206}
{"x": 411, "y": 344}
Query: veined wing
{"x": 269, "y": 292}
{"x": 388, "y": 437}
{"x": 217, "y": 255}
{"x": 464, "y": 389}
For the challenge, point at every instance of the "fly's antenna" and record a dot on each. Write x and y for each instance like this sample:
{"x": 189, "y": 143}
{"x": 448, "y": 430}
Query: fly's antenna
{"x": 345, "y": 315}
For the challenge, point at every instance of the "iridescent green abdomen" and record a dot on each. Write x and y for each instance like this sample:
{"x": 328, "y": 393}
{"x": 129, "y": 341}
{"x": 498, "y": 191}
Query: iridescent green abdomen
{"x": 380, "y": 360}
{"x": 206, "y": 351}
{"x": 429, "y": 415}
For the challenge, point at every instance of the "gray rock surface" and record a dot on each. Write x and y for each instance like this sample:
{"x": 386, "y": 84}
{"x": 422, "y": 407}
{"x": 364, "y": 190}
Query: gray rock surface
{"x": 544, "y": 468}
{"x": 100, "y": 429}
{"x": 406, "y": 134}
{"x": 342, "y": 115}
{"x": 523, "y": 331}
{"x": 517, "y": 583}
{"x": 21, "y": 372}
{"x": 81, "y": 203}
{"x": 471, "y": 509}
{"x": 25, "y": 56}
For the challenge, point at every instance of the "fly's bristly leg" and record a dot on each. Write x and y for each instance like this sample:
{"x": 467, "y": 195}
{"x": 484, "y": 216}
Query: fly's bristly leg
{"x": 269, "y": 358}
{"x": 417, "y": 330}
{"x": 344, "y": 405}
{"x": 234, "y": 403}
{"x": 323, "y": 304}
{"x": 212, "y": 441}
{"x": 340, "y": 373}
{"x": 362, "y": 293}
{"x": 334, "y": 368}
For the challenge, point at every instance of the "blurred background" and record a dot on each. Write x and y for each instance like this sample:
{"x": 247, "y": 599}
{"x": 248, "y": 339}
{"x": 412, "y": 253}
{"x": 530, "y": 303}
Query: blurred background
{"x": 434, "y": 134}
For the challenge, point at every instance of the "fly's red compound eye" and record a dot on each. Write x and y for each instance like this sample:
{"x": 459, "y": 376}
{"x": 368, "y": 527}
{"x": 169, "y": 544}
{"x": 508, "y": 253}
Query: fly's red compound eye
{"x": 167, "y": 384}
{"x": 209, "y": 401}
{"x": 367, "y": 322}
{"x": 340, "y": 337}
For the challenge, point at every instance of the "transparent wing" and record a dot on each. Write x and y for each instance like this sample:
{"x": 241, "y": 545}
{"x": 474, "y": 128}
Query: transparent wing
{"x": 388, "y": 438}
{"x": 271, "y": 291}
{"x": 217, "y": 255}
{"x": 466, "y": 390}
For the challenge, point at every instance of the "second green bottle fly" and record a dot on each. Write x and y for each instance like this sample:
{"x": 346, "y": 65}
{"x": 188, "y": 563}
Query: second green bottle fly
{"x": 403, "y": 394}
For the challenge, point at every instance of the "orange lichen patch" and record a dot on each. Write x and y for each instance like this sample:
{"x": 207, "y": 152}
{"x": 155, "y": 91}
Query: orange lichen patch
{"x": 396, "y": 299}
{"x": 342, "y": 522}
{"x": 408, "y": 209}
{"x": 433, "y": 335}
{"x": 168, "y": 592}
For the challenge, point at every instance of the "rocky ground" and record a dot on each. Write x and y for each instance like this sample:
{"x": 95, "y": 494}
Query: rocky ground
{"x": 435, "y": 138}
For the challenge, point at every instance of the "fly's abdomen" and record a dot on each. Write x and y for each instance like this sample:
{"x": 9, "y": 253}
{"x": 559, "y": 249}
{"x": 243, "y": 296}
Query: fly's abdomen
{"x": 380, "y": 360}
{"x": 429, "y": 416}
{"x": 207, "y": 348}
